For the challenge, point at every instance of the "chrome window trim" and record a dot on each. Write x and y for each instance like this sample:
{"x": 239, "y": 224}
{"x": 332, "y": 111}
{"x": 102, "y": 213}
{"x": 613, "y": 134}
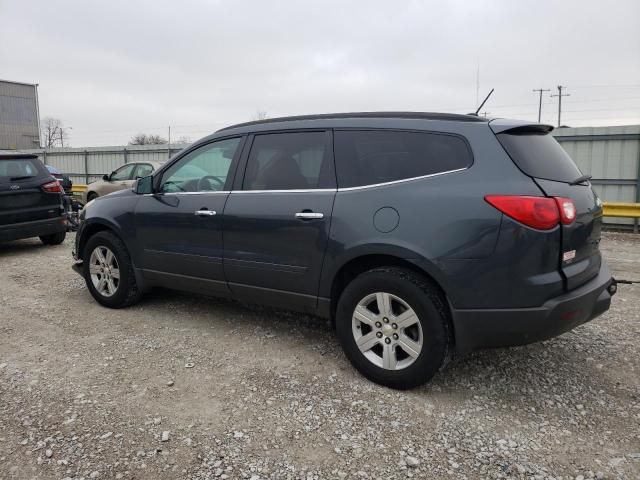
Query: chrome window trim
{"x": 403, "y": 180}
{"x": 294, "y": 190}
{"x": 193, "y": 193}
{"x": 323, "y": 190}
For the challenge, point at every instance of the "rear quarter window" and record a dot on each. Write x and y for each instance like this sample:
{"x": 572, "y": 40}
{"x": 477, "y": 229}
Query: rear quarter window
{"x": 539, "y": 155}
{"x": 370, "y": 157}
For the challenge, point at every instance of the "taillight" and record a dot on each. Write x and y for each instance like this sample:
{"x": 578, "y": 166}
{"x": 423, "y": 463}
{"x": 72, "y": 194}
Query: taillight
{"x": 567, "y": 210}
{"x": 543, "y": 213}
{"x": 52, "y": 187}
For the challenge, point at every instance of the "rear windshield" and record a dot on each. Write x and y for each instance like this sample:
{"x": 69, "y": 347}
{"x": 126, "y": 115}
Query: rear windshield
{"x": 19, "y": 169}
{"x": 539, "y": 155}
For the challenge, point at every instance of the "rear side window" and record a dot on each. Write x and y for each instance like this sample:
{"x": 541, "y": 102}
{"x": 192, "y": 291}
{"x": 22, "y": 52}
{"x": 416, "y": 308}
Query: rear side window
{"x": 20, "y": 168}
{"x": 539, "y": 155}
{"x": 289, "y": 161}
{"x": 369, "y": 157}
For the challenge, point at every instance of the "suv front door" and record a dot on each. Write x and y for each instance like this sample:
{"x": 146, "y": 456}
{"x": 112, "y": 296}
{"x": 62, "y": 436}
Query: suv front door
{"x": 179, "y": 227}
{"x": 276, "y": 221}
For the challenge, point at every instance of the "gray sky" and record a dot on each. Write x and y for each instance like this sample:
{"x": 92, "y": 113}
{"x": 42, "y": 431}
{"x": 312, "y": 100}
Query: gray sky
{"x": 113, "y": 69}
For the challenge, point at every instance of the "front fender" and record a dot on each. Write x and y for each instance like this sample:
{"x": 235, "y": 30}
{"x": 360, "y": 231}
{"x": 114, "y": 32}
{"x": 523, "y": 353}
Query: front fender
{"x": 114, "y": 212}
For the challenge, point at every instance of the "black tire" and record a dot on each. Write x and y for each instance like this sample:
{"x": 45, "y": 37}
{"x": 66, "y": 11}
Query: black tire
{"x": 127, "y": 292}
{"x": 53, "y": 239}
{"x": 91, "y": 196}
{"x": 424, "y": 298}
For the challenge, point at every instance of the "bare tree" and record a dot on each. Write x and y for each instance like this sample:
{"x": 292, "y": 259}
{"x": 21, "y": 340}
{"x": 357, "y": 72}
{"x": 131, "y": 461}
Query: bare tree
{"x": 260, "y": 115}
{"x": 184, "y": 139}
{"x": 54, "y": 133}
{"x": 144, "y": 139}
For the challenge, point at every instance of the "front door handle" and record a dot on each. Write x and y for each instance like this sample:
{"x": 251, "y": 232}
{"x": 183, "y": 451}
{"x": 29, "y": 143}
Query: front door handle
{"x": 309, "y": 215}
{"x": 205, "y": 213}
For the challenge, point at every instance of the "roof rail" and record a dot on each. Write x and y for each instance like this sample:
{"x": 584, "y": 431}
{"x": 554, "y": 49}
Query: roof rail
{"x": 453, "y": 117}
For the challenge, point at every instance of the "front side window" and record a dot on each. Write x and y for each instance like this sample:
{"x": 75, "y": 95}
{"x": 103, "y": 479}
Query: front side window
{"x": 369, "y": 157}
{"x": 123, "y": 173}
{"x": 289, "y": 161}
{"x": 202, "y": 170}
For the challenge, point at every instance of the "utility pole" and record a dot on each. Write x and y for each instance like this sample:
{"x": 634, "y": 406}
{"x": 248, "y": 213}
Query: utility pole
{"x": 169, "y": 144}
{"x": 560, "y": 95}
{"x": 540, "y": 90}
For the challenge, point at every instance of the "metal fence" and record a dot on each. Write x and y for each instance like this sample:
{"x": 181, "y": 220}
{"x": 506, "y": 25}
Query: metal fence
{"x": 86, "y": 165}
{"x": 610, "y": 154}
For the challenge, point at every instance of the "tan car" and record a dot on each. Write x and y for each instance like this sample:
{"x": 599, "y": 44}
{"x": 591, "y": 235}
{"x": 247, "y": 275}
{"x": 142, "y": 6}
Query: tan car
{"x": 123, "y": 177}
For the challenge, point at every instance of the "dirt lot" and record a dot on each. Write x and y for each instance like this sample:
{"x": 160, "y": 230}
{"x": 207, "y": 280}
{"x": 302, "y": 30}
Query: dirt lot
{"x": 87, "y": 392}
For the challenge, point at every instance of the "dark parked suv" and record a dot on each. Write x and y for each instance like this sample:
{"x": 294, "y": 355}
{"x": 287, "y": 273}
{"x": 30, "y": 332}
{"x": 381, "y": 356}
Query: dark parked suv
{"x": 419, "y": 235}
{"x": 30, "y": 200}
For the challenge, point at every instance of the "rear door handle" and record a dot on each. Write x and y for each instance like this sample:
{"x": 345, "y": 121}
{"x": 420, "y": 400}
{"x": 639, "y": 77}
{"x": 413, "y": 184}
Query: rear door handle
{"x": 309, "y": 215}
{"x": 205, "y": 213}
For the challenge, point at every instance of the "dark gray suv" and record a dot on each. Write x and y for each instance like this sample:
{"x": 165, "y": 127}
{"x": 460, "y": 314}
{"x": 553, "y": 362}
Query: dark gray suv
{"x": 419, "y": 235}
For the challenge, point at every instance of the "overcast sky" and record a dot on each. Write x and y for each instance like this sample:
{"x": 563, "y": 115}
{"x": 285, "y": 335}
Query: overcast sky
{"x": 113, "y": 69}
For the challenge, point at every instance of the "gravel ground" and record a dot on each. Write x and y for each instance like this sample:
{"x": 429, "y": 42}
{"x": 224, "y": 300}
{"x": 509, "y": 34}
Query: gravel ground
{"x": 182, "y": 386}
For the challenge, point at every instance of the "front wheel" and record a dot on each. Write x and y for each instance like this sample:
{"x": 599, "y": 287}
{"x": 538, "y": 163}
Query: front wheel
{"x": 108, "y": 271}
{"x": 394, "y": 327}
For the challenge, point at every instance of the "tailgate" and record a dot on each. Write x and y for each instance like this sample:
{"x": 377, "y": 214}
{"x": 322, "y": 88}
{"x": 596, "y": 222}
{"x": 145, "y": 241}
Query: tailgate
{"x": 22, "y": 198}
{"x": 534, "y": 150}
{"x": 581, "y": 239}
{"x": 26, "y": 205}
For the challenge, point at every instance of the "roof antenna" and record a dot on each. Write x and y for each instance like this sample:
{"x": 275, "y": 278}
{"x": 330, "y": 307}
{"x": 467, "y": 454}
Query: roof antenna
{"x": 483, "y": 102}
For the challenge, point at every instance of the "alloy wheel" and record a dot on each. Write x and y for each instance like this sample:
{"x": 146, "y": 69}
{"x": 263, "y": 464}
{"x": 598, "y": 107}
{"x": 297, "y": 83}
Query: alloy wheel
{"x": 387, "y": 331}
{"x": 104, "y": 271}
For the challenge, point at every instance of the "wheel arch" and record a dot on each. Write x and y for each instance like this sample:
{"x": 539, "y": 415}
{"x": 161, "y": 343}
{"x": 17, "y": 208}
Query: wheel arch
{"x": 91, "y": 193}
{"x": 93, "y": 227}
{"x": 353, "y": 267}
{"x": 101, "y": 225}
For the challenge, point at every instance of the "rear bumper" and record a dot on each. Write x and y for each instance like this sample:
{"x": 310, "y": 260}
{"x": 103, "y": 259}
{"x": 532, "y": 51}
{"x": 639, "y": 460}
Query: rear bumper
{"x": 475, "y": 329}
{"x": 36, "y": 228}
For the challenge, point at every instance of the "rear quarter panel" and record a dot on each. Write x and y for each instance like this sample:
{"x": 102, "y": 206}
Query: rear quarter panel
{"x": 445, "y": 226}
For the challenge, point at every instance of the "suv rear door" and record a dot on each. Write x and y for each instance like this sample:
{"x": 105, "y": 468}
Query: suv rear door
{"x": 22, "y": 198}
{"x": 534, "y": 150}
{"x": 276, "y": 220}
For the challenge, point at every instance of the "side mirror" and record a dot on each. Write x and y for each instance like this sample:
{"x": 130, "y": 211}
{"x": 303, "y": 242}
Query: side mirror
{"x": 144, "y": 185}
{"x": 106, "y": 177}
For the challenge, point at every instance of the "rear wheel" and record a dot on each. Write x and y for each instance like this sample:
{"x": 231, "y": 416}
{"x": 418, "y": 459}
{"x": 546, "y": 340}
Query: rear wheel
{"x": 108, "y": 271}
{"x": 53, "y": 239}
{"x": 393, "y": 326}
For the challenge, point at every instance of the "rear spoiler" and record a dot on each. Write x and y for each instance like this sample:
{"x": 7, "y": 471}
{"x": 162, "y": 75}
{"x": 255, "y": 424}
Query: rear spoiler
{"x": 502, "y": 125}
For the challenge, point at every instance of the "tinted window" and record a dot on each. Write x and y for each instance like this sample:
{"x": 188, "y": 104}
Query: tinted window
{"x": 371, "y": 157}
{"x": 202, "y": 170}
{"x": 123, "y": 173}
{"x": 539, "y": 155}
{"x": 289, "y": 161}
{"x": 19, "y": 168}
